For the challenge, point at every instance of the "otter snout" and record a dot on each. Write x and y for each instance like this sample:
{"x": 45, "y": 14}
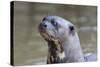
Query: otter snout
{"x": 43, "y": 25}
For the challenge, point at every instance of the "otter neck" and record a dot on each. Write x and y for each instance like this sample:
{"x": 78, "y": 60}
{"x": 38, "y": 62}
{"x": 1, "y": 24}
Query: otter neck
{"x": 66, "y": 51}
{"x": 56, "y": 53}
{"x": 72, "y": 49}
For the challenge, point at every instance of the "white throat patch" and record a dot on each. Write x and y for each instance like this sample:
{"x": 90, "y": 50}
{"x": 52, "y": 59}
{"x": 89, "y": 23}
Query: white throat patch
{"x": 61, "y": 55}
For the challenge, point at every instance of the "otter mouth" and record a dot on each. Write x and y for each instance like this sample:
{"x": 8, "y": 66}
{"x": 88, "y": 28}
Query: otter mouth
{"x": 47, "y": 35}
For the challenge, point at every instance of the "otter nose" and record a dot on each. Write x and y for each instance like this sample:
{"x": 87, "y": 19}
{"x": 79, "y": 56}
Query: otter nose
{"x": 43, "y": 25}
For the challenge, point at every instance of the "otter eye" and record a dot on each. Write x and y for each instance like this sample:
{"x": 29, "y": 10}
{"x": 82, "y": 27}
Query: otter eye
{"x": 54, "y": 23}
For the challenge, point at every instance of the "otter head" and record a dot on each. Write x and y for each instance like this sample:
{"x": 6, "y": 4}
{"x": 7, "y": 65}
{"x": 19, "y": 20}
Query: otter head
{"x": 62, "y": 39}
{"x": 57, "y": 31}
{"x": 56, "y": 28}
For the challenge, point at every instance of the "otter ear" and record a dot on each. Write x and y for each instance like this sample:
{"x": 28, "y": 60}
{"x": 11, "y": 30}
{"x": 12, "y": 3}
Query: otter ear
{"x": 71, "y": 30}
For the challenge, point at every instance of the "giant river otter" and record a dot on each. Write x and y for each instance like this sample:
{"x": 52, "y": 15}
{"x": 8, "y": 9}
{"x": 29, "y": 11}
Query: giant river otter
{"x": 63, "y": 41}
